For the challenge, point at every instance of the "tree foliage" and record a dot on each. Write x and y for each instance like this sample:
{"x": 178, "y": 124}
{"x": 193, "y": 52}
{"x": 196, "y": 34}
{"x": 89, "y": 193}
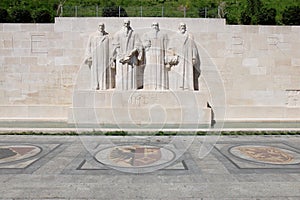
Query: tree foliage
{"x": 19, "y": 15}
{"x": 265, "y": 12}
{"x": 246, "y": 18}
{"x": 257, "y": 13}
{"x": 267, "y": 16}
{"x": 43, "y": 16}
{"x": 4, "y": 16}
{"x": 114, "y": 12}
{"x": 291, "y": 15}
{"x": 251, "y": 13}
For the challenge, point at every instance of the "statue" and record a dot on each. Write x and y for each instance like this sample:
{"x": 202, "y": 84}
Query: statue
{"x": 97, "y": 58}
{"x": 184, "y": 61}
{"x": 128, "y": 56}
{"x": 155, "y": 72}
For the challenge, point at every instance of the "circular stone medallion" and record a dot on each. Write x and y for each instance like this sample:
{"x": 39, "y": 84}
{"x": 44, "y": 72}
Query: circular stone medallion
{"x": 17, "y": 152}
{"x": 266, "y": 154}
{"x": 135, "y": 156}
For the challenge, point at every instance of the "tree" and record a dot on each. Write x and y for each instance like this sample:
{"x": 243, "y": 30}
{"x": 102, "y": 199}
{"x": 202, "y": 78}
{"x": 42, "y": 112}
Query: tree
{"x": 43, "y": 16}
{"x": 4, "y": 16}
{"x": 246, "y": 18}
{"x": 21, "y": 16}
{"x": 291, "y": 16}
{"x": 255, "y": 13}
{"x": 251, "y": 13}
{"x": 267, "y": 16}
{"x": 114, "y": 12}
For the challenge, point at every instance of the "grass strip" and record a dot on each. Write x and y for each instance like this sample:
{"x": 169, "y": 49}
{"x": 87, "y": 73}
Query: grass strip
{"x": 154, "y": 133}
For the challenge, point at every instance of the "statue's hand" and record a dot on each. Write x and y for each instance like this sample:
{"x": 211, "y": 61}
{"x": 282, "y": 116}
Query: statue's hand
{"x": 148, "y": 45}
{"x": 112, "y": 63}
{"x": 133, "y": 52}
{"x": 168, "y": 67}
{"x": 88, "y": 61}
{"x": 124, "y": 60}
{"x": 194, "y": 61}
{"x": 174, "y": 60}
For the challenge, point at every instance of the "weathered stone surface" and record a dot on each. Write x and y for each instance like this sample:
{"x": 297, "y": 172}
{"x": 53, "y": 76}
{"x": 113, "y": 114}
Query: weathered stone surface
{"x": 253, "y": 66}
{"x": 61, "y": 169}
{"x": 150, "y": 108}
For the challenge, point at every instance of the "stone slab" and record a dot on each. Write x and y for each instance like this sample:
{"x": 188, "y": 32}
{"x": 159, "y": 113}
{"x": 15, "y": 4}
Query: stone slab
{"x": 139, "y": 98}
{"x": 262, "y": 113}
{"x": 33, "y": 112}
{"x": 57, "y": 175}
{"x": 140, "y": 107}
{"x": 254, "y": 67}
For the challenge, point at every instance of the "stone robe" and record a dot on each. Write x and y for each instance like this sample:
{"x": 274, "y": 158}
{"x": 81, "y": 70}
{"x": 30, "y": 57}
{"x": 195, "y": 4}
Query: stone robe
{"x": 127, "y": 46}
{"x": 98, "y": 50}
{"x": 184, "y": 75}
{"x": 155, "y": 72}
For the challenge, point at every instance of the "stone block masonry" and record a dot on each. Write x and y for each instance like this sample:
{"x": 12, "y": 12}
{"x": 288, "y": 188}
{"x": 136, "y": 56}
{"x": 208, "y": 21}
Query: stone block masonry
{"x": 257, "y": 68}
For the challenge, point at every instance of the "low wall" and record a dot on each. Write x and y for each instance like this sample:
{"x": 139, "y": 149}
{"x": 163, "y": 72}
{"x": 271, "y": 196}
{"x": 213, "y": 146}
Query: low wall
{"x": 251, "y": 71}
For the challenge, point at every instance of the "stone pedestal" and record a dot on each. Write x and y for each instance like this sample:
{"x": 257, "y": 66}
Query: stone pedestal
{"x": 139, "y": 108}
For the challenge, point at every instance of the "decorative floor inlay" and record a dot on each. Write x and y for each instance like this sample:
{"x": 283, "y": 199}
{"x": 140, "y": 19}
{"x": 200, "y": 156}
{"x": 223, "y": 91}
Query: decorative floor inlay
{"x": 133, "y": 159}
{"x": 12, "y": 153}
{"x": 265, "y": 154}
{"x": 135, "y": 156}
{"x": 24, "y": 157}
{"x": 94, "y": 165}
{"x": 259, "y": 156}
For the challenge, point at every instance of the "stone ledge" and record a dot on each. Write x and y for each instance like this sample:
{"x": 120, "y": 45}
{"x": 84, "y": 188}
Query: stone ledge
{"x": 139, "y": 98}
{"x": 141, "y": 107}
{"x": 37, "y": 112}
{"x": 139, "y": 116}
{"x": 261, "y": 120}
{"x": 258, "y": 113}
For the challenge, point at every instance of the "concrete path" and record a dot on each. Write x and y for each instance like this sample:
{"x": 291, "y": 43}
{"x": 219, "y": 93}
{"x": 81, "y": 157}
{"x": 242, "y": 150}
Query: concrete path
{"x": 149, "y": 167}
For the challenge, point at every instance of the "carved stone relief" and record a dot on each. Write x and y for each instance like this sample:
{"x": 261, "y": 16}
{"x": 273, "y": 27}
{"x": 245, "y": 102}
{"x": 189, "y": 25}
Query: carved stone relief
{"x": 126, "y": 61}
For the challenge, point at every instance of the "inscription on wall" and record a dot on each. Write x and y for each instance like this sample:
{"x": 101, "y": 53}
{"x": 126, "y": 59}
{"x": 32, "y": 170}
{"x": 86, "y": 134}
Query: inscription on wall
{"x": 237, "y": 45}
{"x": 8, "y": 43}
{"x": 273, "y": 40}
{"x": 38, "y": 44}
{"x": 140, "y": 100}
{"x": 293, "y": 98}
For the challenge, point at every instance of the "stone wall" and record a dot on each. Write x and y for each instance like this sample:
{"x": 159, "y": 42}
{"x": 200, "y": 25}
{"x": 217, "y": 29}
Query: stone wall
{"x": 252, "y": 71}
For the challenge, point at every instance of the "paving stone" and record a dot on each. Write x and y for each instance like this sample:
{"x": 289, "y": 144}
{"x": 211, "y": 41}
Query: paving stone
{"x": 56, "y": 175}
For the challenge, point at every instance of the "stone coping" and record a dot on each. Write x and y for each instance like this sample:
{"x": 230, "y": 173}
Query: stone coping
{"x": 65, "y": 131}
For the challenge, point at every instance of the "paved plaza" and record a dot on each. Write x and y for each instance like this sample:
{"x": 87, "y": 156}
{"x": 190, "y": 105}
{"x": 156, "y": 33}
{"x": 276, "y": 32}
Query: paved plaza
{"x": 149, "y": 167}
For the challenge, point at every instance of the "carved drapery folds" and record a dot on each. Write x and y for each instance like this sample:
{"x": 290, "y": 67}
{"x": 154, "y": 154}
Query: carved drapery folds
{"x": 126, "y": 61}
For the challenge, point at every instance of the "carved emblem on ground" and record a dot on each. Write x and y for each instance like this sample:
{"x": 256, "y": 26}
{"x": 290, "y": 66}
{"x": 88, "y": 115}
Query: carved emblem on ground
{"x": 135, "y": 156}
{"x": 265, "y": 154}
{"x": 129, "y": 156}
{"x": 17, "y": 152}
